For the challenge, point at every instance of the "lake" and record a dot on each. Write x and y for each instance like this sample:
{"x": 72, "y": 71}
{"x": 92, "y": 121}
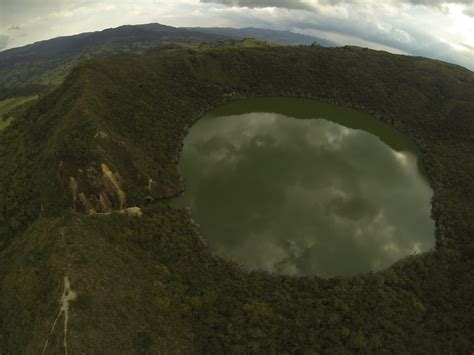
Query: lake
{"x": 299, "y": 187}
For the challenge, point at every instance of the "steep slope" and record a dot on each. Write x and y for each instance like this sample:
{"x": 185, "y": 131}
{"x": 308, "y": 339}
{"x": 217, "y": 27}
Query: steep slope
{"x": 108, "y": 139}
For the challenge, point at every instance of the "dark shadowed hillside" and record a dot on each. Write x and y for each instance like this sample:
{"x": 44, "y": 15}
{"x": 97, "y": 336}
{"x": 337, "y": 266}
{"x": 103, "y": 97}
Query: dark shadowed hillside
{"x": 86, "y": 169}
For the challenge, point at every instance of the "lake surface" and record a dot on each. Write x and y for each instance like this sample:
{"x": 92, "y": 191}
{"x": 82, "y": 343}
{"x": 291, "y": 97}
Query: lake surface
{"x": 300, "y": 187}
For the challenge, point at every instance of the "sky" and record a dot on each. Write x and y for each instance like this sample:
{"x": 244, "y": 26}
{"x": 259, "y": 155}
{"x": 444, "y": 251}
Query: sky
{"x": 440, "y": 29}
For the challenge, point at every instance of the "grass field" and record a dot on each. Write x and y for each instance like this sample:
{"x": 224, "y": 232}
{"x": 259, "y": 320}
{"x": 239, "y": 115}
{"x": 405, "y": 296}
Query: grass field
{"x": 8, "y": 104}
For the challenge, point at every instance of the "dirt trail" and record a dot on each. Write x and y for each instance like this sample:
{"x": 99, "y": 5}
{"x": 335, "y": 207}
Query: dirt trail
{"x": 67, "y": 296}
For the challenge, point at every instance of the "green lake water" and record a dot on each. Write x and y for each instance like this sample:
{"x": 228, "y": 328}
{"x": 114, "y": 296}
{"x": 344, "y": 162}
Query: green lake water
{"x": 300, "y": 187}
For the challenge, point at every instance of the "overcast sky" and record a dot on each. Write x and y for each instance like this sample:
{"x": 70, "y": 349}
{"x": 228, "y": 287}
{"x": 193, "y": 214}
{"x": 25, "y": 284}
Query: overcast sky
{"x": 442, "y": 29}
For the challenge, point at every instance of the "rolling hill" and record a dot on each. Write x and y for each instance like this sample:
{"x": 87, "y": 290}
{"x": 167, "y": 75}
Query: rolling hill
{"x": 266, "y": 35}
{"x": 38, "y": 67}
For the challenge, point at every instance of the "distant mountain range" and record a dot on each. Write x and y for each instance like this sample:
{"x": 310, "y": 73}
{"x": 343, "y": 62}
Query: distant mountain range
{"x": 42, "y": 65}
{"x": 262, "y": 34}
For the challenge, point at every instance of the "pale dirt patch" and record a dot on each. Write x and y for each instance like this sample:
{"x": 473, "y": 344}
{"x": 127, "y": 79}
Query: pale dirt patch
{"x": 67, "y": 296}
{"x": 132, "y": 211}
{"x": 113, "y": 180}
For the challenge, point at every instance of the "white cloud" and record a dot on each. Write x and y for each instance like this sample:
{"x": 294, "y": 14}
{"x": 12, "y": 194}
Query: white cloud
{"x": 3, "y": 41}
{"x": 393, "y": 26}
{"x": 439, "y": 29}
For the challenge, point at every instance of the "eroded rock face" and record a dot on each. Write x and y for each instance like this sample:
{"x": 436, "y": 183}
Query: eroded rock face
{"x": 97, "y": 190}
{"x": 114, "y": 185}
{"x": 101, "y": 186}
{"x": 100, "y": 191}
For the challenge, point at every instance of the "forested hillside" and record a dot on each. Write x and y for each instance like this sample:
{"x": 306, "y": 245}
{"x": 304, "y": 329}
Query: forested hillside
{"x": 38, "y": 67}
{"x": 86, "y": 171}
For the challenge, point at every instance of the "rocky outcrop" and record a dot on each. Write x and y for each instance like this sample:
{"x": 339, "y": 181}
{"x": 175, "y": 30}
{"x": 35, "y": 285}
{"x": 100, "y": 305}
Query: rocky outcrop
{"x": 97, "y": 190}
{"x": 106, "y": 192}
{"x": 113, "y": 184}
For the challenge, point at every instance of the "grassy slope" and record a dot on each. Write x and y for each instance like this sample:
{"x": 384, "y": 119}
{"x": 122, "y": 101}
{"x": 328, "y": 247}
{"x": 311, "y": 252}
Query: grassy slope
{"x": 5, "y": 122}
{"x": 149, "y": 284}
{"x": 8, "y": 104}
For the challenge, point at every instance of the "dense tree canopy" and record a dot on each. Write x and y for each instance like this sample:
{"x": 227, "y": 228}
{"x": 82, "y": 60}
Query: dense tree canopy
{"x": 149, "y": 284}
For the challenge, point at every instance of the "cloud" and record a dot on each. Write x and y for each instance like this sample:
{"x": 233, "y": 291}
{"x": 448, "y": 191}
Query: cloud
{"x": 42, "y": 20}
{"x": 3, "y": 41}
{"x": 14, "y": 28}
{"x": 437, "y": 29}
{"x": 286, "y": 4}
{"x": 469, "y": 11}
{"x": 435, "y": 3}
{"x": 397, "y": 26}
{"x": 468, "y": 5}
{"x": 305, "y": 196}
{"x": 20, "y": 11}
{"x": 314, "y": 5}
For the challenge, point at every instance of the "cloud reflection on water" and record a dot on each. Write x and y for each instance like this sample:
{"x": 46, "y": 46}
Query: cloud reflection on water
{"x": 299, "y": 196}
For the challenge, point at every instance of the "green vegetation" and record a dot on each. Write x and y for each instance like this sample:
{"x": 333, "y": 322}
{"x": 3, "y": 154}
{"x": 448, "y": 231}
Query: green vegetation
{"x": 5, "y": 122}
{"x": 8, "y": 106}
{"x": 41, "y": 66}
{"x": 149, "y": 284}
